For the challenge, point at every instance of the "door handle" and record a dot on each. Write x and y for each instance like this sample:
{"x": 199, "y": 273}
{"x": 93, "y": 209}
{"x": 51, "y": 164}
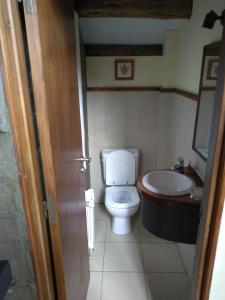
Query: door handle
{"x": 84, "y": 161}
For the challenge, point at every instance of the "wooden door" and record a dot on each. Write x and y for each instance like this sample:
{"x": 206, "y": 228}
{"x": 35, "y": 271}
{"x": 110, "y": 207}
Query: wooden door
{"x": 52, "y": 53}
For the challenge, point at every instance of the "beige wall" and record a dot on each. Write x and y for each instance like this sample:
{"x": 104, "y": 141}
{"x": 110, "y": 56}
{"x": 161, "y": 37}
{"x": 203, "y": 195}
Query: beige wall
{"x": 169, "y": 69}
{"x": 149, "y": 70}
{"x": 161, "y": 125}
{"x": 100, "y": 72}
{"x": 191, "y": 40}
{"x": 180, "y": 65}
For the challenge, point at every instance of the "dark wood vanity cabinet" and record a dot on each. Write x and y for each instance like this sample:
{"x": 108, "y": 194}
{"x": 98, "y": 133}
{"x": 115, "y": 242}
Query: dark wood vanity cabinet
{"x": 174, "y": 218}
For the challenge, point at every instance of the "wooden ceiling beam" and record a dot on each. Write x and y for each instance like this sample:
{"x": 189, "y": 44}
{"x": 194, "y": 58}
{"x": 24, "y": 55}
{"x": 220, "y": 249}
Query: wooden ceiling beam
{"x": 123, "y": 50}
{"x": 160, "y": 9}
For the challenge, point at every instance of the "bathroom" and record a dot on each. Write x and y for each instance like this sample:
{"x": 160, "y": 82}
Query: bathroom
{"x": 150, "y": 113}
{"x": 111, "y": 183}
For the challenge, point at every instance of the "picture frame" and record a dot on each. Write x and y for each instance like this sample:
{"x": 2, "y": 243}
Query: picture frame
{"x": 212, "y": 70}
{"x": 124, "y": 69}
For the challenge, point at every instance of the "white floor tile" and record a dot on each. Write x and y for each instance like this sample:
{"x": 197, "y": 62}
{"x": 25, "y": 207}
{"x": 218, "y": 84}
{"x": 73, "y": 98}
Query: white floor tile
{"x": 161, "y": 258}
{"x": 168, "y": 286}
{"x": 187, "y": 253}
{"x": 95, "y": 284}
{"x": 123, "y": 257}
{"x": 101, "y": 212}
{"x": 149, "y": 293}
{"x": 148, "y": 237}
{"x": 100, "y": 230}
{"x": 123, "y": 286}
{"x": 133, "y": 237}
{"x": 96, "y": 258}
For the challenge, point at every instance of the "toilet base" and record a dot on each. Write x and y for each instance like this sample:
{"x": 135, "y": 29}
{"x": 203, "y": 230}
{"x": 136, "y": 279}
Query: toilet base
{"x": 121, "y": 225}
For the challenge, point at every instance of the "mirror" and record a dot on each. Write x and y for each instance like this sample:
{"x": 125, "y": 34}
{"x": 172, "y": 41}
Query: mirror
{"x": 205, "y": 106}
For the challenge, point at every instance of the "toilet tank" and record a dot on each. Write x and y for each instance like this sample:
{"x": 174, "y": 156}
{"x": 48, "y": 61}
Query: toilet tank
{"x": 120, "y": 166}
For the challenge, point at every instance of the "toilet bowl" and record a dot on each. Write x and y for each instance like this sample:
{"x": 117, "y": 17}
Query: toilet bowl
{"x": 121, "y": 197}
{"x": 121, "y": 202}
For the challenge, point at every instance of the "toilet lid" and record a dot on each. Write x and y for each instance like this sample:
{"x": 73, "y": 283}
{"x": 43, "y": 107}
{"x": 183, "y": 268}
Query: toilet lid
{"x": 120, "y": 168}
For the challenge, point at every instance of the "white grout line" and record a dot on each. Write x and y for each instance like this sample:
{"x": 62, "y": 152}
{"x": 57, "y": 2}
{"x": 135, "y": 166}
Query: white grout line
{"x": 146, "y": 284}
{"x": 181, "y": 258}
{"x": 140, "y": 272}
{"x": 107, "y": 223}
{"x": 101, "y": 285}
{"x": 139, "y": 242}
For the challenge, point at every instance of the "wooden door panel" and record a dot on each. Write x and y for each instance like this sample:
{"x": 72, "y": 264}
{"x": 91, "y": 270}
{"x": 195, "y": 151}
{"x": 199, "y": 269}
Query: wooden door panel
{"x": 16, "y": 85}
{"x": 51, "y": 40}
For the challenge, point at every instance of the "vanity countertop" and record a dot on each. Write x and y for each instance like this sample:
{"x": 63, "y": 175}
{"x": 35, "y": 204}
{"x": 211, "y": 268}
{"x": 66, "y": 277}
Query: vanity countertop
{"x": 188, "y": 171}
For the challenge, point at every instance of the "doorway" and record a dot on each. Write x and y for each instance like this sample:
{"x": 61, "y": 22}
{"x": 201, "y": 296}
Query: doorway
{"x": 49, "y": 104}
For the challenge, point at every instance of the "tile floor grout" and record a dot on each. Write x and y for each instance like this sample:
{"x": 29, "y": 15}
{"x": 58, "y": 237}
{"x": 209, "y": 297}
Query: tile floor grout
{"x": 103, "y": 259}
{"x": 139, "y": 272}
{"x": 178, "y": 249}
{"x": 139, "y": 235}
{"x": 142, "y": 259}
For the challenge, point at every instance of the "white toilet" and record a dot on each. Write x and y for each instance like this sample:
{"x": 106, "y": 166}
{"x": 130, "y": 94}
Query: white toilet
{"x": 120, "y": 170}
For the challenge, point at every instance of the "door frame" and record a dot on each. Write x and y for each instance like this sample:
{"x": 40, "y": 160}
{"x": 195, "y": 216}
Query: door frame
{"x": 214, "y": 193}
{"x": 16, "y": 86}
{"x": 17, "y": 95}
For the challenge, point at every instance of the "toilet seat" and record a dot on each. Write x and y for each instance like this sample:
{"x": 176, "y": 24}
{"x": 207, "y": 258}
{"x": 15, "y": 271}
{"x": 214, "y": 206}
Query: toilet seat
{"x": 122, "y": 196}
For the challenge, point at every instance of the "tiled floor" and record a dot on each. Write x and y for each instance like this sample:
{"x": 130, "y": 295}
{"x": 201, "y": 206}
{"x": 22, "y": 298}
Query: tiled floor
{"x": 138, "y": 266}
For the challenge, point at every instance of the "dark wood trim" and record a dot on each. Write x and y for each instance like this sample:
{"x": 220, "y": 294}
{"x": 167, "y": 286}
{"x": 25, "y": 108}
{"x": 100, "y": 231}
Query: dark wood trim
{"x": 123, "y": 50}
{"x": 180, "y": 92}
{"x": 187, "y": 94}
{"x": 18, "y": 99}
{"x": 183, "y": 93}
{"x": 170, "y": 9}
{"x": 208, "y": 88}
{"x": 213, "y": 198}
{"x": 169, "y": 217}
{"x": 198, "y": 106}
{"x": 123, "y": 89}
{"x": 210, "y": 49}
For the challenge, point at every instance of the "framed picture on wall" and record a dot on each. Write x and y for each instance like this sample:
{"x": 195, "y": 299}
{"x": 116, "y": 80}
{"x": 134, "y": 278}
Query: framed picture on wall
{"x": 124, "y": 69}
{"x": 212, "y": 71}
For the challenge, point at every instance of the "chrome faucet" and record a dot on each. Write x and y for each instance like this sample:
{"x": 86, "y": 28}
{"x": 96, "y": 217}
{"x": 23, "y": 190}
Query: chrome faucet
{"x": 179, "y": 165}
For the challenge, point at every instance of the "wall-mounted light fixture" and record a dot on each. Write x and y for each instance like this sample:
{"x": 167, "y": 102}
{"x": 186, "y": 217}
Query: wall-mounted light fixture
{"x": 211, "y": 19}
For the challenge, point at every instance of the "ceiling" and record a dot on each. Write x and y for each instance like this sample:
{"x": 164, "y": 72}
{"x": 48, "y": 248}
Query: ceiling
{"x": 126, "y": 30}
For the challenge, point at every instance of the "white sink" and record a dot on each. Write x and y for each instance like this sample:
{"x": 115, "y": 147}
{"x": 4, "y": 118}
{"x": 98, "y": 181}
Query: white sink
{"x": 168, "y": 183}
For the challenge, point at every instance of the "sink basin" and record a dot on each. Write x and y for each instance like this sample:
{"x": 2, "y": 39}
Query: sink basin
{"x": 168, "y": 183}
